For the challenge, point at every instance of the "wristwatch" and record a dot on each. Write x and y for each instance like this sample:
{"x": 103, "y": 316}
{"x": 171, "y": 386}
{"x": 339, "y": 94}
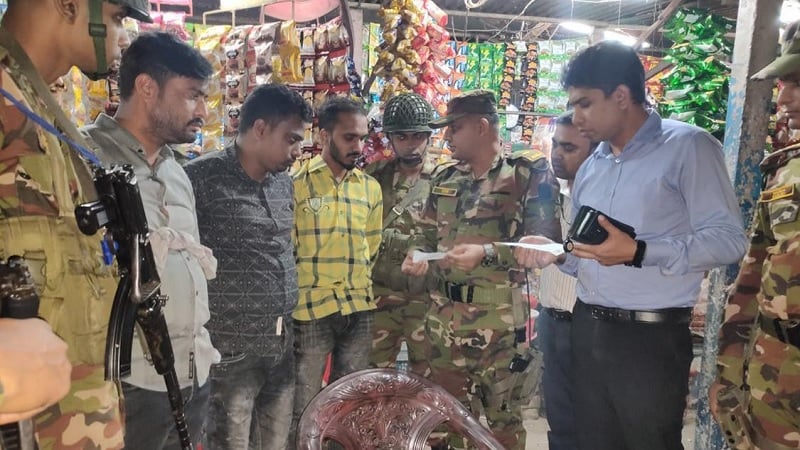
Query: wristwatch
{"x": 490, "y": 253}
{"x": 638, "y": 257}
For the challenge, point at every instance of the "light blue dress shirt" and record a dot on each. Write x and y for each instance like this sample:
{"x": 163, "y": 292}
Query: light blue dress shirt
{"x": 669, "y": 183}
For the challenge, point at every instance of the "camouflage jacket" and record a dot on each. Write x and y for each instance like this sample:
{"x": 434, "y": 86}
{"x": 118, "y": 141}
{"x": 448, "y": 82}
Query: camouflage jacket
{"x": 516, "y": 197}
{"x": 396, "y": 238}
{"x": 41, "y": 181}
{"x": 767, "y": 279}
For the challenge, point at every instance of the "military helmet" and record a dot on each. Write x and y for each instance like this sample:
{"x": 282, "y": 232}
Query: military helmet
{"x": 138, "y": 9}
{"x": 407, "y": 112}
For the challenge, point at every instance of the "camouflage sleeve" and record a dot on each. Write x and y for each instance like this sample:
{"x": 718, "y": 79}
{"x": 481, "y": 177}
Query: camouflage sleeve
{"x": 426, "y": 229}
{"x": 742, "y": 307}
{"x": 540, "y": 208}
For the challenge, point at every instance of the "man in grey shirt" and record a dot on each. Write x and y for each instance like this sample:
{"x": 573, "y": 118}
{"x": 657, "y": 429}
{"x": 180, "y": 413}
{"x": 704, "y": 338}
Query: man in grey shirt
{"x": 162, "y": 101}
{"x": 246, "y": 213}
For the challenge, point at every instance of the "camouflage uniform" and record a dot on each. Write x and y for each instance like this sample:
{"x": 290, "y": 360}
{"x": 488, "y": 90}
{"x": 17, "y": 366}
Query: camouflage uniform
{"x": 41, "y": 181}
{"x": 759, "y": 348}
{"x": 766, "y": 291}
{"x": 473, "y": 343}
{"x": 401, "y": 300}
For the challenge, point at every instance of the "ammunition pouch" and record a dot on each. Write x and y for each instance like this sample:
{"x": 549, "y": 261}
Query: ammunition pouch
{"x": 526, "y": 370}
{"x": 733, "y": 420}
{"x": 387, "y": 269}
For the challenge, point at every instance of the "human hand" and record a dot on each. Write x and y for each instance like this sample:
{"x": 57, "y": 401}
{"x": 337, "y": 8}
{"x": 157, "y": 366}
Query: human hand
{"x": 465, "y": 257}
{"x": 534, "y": 259}
{"x": 417, "y": 269}
{"x": 34, "y": 369}
{"x": 619, "y": 248}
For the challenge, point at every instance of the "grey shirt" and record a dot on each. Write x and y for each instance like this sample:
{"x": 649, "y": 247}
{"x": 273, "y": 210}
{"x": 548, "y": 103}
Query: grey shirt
{"x": 248, "y": 224}
{"x": 169, "y": 202}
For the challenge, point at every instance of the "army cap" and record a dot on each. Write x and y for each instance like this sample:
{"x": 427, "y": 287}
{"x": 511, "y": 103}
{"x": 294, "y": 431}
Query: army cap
{"x": 480, "y": 101}
{"x": 789, "y": 60}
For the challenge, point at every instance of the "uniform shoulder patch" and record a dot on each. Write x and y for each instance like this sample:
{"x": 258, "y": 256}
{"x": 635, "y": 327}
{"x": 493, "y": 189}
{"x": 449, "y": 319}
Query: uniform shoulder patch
{"x": 441, "y": 167}
{"x": 777, "y": 193}
{"x": 530, "y": 158}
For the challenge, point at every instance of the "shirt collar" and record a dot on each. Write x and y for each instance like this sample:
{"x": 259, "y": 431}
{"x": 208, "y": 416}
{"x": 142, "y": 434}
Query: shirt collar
{"x": 496, "y": 162}
{"x": 317, "y": 163}
{"x": 649, "y": 132}
{"x": 123, "y": 137}
{"x": 232, "y": 152}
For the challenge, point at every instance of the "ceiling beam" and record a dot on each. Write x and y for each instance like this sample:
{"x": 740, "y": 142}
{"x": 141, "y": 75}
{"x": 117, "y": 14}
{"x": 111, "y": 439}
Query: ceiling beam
{"x": 483, "y": 15}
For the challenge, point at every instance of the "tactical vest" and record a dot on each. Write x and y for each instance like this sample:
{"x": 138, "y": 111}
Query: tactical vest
{"x": 396, "y": 239}
{"x": 75, "y": 288}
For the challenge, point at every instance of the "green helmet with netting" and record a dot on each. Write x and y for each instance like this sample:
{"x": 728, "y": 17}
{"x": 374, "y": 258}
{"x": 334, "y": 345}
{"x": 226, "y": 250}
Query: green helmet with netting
{"x": 137, "y": 9}
{"x": 407, "y": 113}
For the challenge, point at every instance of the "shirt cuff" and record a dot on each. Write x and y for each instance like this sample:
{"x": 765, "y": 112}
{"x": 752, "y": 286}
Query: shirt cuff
{"x": 658, "y": 253}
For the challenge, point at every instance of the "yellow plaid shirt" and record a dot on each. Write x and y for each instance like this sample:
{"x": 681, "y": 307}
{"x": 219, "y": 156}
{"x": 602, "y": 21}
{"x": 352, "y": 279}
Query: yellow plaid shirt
{"x": 337, "y": 235}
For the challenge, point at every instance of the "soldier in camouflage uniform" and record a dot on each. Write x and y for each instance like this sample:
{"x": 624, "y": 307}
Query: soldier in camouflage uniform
{"x": 41, "y": 182}
{"x": 756, "y": 397}
{"x": 402, "y": 300}
{"x": 479, "y": 199}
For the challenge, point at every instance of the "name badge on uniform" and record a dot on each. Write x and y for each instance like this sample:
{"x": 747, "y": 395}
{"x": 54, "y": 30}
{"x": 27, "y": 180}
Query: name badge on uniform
{"x": 777, "y": 193}
{"x": 447, "y": 192}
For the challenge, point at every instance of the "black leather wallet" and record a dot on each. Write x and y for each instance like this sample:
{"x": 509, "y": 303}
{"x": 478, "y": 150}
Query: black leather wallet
{"x": 586, "y": 229}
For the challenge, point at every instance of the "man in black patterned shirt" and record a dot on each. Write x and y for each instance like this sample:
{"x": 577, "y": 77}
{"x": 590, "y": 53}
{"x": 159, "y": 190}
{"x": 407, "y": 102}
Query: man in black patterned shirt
{"x": 246, "y": 216}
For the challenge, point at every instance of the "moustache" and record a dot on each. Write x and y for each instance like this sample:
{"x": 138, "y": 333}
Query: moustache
{"x": 197, "y": 122}
{"x": 412, "y": 160}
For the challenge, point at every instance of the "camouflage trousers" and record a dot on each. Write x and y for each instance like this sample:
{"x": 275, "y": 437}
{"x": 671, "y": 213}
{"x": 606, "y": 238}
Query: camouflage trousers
{"x": 396, "y": 320}
{"x": 773, "y": 401}
{"x": 89, "y": 417}
{"x": 472, "y": 346}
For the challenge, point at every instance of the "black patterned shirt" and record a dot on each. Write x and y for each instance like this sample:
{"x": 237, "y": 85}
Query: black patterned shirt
{"x": 248, "y": 224}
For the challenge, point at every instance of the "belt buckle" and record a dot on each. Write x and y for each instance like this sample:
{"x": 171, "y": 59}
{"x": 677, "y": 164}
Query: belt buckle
{"x": 599, "y": 314}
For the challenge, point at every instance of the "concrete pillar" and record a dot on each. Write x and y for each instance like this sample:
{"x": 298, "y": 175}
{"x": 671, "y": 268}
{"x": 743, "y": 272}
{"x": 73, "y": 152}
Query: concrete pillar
{"x": 745, "y": 138}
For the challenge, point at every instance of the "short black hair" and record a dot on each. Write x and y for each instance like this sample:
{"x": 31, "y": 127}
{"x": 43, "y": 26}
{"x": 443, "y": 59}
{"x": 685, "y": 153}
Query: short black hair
{"x": 564, "y": 119}
{"x": 605, "y": 66}
{"x": 328, "y": 113}
{"x": 162, "y": 56}
{"x": 273, "y": 103}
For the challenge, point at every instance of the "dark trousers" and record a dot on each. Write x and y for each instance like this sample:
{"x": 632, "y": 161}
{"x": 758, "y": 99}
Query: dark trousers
{"x": 630, "y": 383}
{"x": 251, "y": 402}
{"x": 347, "y": 338}
{"x": 554, "y": 340}
{"x": 148, "y": 417}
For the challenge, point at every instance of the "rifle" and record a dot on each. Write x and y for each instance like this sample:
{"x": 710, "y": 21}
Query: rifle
{"x": 18, "y": 300}
{"x": 138, "y": 300}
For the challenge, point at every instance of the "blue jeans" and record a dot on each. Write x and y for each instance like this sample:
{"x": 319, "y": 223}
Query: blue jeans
{"x": 251, "y": 402}
{"x": 148, "y": 417}
{"x": 349, "y": 341}
{"x": 557, "y": 381}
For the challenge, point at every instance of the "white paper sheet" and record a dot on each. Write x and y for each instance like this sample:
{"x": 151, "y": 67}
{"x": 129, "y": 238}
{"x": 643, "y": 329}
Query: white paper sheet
{"x": 554, "y": 248}
{"x": 419, "y": 256}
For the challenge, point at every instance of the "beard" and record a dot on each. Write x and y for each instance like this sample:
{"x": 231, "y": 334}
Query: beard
{"x": 340, "y": 158}
{"x": 171, "y": 132}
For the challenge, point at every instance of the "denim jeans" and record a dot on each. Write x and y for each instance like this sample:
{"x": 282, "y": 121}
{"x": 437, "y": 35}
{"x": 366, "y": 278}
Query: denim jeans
{"x": 149, "y": 423}
{"x": 347, "y": 338}
{"x": 554, "y": 336}
{"x": 251, "y": 402}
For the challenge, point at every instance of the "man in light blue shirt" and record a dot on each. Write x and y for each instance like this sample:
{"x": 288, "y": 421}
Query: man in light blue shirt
{"x": 631, "y": 345}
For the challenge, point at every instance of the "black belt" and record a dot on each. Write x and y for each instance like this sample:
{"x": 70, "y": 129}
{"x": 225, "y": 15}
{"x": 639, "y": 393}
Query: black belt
{"x": 666, "y": 316}
{"x": 454, "y": 291}
{"x": 558, "y": 314}
{"x": 786, "y": 331}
